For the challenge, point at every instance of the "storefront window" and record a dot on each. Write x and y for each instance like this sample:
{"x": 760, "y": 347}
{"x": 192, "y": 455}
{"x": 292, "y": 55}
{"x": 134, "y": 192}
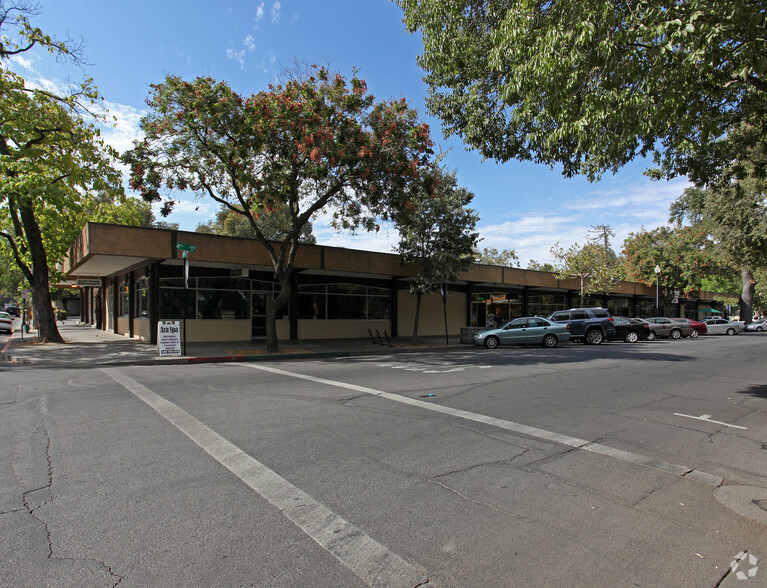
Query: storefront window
{"x": 493, "y": 309}
{"x": 123, "y": 301}
{"x": 343, "y": 302}
{"x": 142, "y": 298}
{"x": 545, "y": 305}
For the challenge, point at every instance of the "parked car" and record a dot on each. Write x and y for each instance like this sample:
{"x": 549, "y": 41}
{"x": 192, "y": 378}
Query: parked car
{"x": 700, "y": 328}
{"x": 13, "y": 310}
{"x": 720, "y": 326}
{"x": 6, "y": 322}
{"x": 758, "y": 326}
{"x": 527, "y": 330}
{"x": 590, "y": 325}
{"x": 630, "y": 330}
{"x": 668, "y": 328}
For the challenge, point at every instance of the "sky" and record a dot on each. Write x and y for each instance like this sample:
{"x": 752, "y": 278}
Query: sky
{"x": 129, "y": 45}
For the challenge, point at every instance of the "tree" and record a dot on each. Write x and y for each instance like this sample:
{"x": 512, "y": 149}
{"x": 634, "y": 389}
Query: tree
{"x": 491, "y": 256}
{"x": 734, "y": 211}
{"x": 274, "y": 226}
{"x": 541, "y": 267}
{"x": 593, "y": 264}
{"x": 49, "y": 157}
{"x": 438, "y": 232}
{"x": 317, "y": 143}
{"x": 591, "y": 84}
{"x": 686, "y": 255}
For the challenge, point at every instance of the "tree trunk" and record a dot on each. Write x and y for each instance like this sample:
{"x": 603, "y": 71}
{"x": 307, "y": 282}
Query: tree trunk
{"x": 417, "y": 314}
{"x": 746, "y": 302}
{"x": 273, "y": 309}
{"x": 44, "y": 316}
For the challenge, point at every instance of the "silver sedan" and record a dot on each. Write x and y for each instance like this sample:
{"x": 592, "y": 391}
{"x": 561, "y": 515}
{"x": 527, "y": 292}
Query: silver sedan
{"x": 668, "y": 328}
{"x": 719, "y": 326}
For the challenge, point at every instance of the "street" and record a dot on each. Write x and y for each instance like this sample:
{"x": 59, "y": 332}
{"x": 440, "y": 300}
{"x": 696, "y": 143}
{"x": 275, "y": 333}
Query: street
{"x": 615, "y": 465}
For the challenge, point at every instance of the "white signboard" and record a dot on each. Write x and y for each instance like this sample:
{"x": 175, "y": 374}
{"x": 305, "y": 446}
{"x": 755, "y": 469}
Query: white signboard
{"x": 169, "y": 338}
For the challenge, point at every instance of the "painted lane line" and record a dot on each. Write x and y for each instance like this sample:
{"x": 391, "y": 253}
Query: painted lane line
{"x": 368, "y": 559}
{"x": 708, "y": 419}
{"x": 584, "y": 444}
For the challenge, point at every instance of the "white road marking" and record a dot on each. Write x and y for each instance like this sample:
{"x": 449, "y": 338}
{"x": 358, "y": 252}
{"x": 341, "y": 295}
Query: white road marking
{"x": 371, "y": 561}
{"x": 671, "y": 468}
{"x": 707, "y": 418}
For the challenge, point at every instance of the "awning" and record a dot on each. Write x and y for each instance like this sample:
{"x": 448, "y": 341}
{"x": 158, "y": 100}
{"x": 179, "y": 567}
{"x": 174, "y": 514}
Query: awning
{"x": 714, "y": 310}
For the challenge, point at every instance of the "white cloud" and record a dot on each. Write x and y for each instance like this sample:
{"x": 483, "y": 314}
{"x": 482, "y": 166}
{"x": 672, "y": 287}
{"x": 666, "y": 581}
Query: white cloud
{"x": 259, "y": 15}
{"x": 124, "y": 129}
{"x": 249, "y": 42}
{"x": 276, "y": 11}
{"x": 625, "y": 209}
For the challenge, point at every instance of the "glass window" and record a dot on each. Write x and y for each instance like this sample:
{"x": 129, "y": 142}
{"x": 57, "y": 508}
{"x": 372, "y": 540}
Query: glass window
{"x": 312, "y": 305}
{"x": 221, "y": 304}
{"x": 123, "y": 301}
{"x": 142, "y": 298}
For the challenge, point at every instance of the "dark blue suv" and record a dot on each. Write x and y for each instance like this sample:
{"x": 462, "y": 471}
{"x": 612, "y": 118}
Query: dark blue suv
{"x": 590, "y": 325}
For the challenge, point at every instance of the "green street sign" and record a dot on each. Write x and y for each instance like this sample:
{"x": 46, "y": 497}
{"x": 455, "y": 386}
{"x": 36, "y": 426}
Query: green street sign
{"x": 185, "y": 247}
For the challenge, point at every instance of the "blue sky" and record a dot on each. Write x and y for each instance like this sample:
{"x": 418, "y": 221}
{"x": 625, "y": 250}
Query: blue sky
{"x": 130, "y": 45}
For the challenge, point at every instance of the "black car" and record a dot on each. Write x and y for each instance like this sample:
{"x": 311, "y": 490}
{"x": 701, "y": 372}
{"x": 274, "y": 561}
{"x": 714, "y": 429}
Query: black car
{"x": 13, "y": 310}
{"x": 629, "y": 330}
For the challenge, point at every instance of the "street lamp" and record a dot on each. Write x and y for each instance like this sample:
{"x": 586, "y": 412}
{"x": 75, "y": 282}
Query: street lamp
{"x": 657, "y": 279}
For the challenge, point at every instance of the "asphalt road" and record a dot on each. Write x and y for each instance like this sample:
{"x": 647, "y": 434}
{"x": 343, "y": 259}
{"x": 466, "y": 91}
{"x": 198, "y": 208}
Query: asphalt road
{"x": 617, "y": 465}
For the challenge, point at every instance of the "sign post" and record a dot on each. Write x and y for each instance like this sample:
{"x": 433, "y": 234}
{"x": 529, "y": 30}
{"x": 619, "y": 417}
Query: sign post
{"x": 187, "y": 249}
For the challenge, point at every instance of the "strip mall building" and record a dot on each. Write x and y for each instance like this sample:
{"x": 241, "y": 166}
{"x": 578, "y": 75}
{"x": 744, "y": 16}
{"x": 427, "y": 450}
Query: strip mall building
{"x": 131, "y": 278}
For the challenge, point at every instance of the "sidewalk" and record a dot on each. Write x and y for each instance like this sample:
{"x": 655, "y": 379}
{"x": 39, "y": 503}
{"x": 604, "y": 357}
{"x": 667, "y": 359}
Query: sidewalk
{"x": 86, "y": 347}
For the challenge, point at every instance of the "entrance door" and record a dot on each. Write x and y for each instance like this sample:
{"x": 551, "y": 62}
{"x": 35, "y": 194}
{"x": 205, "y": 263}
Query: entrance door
{"x": 258, "y": 314}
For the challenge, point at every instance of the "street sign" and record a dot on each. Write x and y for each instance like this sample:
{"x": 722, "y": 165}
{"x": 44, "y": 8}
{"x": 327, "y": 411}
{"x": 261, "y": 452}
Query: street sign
{"x": 185, "y": 247}
{"x": 88, "y": 282}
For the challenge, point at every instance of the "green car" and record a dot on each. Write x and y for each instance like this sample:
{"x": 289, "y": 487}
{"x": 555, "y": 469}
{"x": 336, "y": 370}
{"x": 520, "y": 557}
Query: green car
{"x": 527, "y": 330}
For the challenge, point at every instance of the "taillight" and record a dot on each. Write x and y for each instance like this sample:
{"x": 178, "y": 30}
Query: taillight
{"x": 610, "y": 319}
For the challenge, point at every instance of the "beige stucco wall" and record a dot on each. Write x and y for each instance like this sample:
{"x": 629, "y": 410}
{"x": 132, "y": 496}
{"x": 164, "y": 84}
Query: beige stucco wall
{"x": 432, "y": 319}
{"x": 217, "y": 330}
{"x": 316, "y": 329}
{"x": 123, "y": 325}
{"x": 141, "y": 329}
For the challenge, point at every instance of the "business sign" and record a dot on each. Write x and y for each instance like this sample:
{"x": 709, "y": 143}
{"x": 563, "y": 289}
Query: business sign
{"x": 89, "y": 283}
{"x": 169, "y": 338}
{"x": 240, "y": 272}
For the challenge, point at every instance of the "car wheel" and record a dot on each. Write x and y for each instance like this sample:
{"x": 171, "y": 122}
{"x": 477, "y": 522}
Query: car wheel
{"x": 694, "y": 334}
{"x": 595, "y": 337}
{"x": 675, "y": 334}
{"x": 491, "y": 342}
{"x": 730, "y": 331}
{"x": 632, "y": 337}
{"x": 651, "y": 336}
{"x": 550, "y": 341}
{"x": 758, "y": 329}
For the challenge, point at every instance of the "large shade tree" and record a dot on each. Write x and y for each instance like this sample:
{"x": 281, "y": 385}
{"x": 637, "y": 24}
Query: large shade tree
{"x": 591, "y": 84}
{"x": 685, "y": 255}
{"x": 317, "y": 143}
{"x": 50, "y": 158}
{"x": 273, "y": 226}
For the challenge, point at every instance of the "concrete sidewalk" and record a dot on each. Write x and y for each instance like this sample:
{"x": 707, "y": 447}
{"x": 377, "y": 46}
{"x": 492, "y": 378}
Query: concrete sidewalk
{"x": 86, "y": 346}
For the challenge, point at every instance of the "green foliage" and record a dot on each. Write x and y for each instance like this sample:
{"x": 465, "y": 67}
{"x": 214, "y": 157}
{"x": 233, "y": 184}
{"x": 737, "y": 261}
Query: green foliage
{"x": 438, "y": 232}
{"x": 50, "y": 157}
{"x": 594, "y": 264}
{"x": 541, "y": 267}
{"x": 319, "y": 143}
{"x": 591, "y": 84}
{"x": 491, "y": 256}
{"x": 686, "y": 256}
{"x": 274, "y": 226}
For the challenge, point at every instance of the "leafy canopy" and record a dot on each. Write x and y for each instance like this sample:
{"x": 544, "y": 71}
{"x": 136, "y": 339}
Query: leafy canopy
{"x": 591, "y": 84}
